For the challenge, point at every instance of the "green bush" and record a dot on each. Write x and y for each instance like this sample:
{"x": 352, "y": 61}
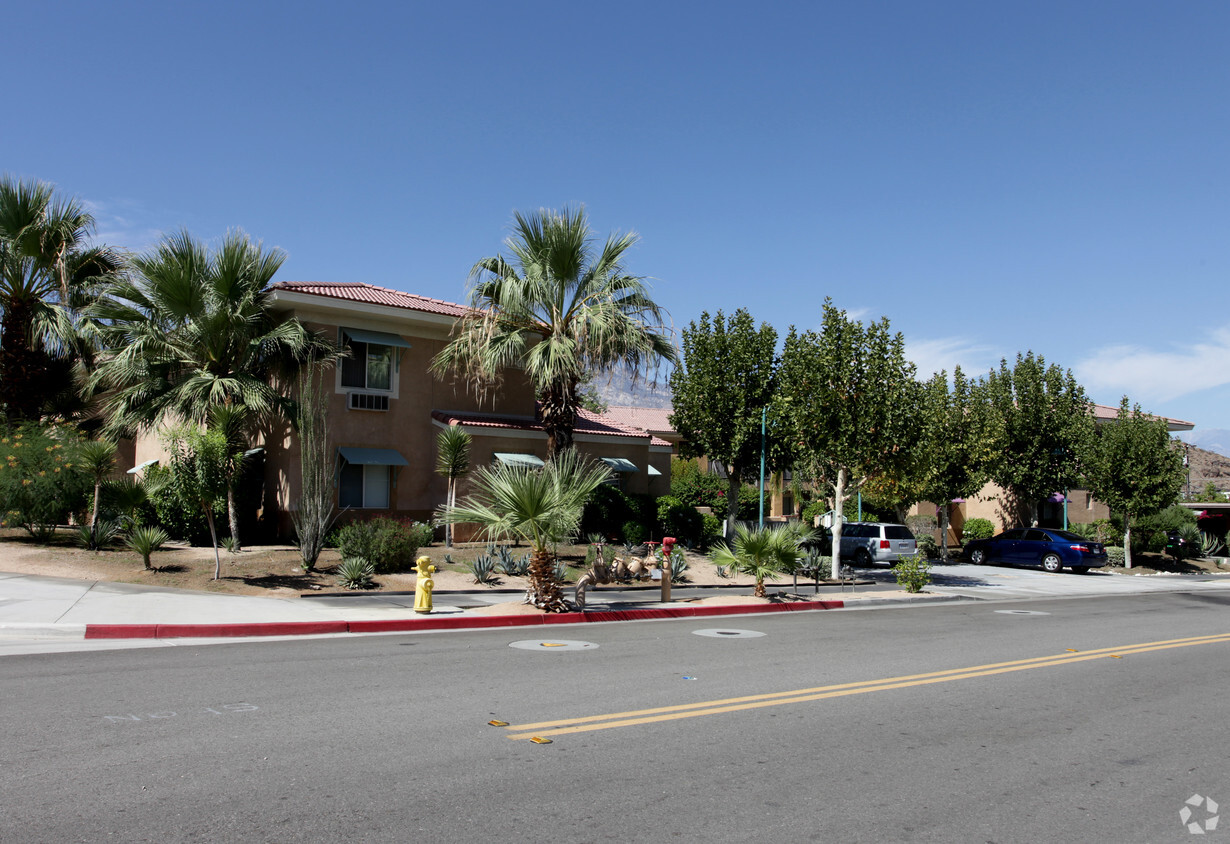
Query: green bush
{"x": 815, "y": 508}
{"x": 680, "y": 520}
{"x": 913, "y": 573}
{"x": 1115, "y": 555}
{"x": 355, "y": 573}
{"x": 927, "y": 546}
{"x": 749, "y": 503}
{"x": 977, "y": 529}
{"x": 633, "y": 533}
{"x": 711, "y": 529}
{"x": 696, "y": 488}
{"x": 386, "y": 544}
{"x": 420, "y": 534}
{"x": 175, "y": 511}
{"x": 609, "y": 508}
{"x": 38, "y": 485}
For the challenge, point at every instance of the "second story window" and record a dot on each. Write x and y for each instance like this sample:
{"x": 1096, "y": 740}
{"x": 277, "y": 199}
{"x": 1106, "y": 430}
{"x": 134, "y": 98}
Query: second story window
{"x": 372, "y": 362}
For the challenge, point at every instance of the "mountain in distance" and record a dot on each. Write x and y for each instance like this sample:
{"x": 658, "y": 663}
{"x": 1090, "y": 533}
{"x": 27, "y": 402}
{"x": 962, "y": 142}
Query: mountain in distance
{"x": 1210, "y": 439}
{"x": 619, "y": 389}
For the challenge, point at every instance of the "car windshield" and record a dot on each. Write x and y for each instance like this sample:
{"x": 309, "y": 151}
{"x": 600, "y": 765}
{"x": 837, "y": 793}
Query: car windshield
{"x": 1067, "y": 536}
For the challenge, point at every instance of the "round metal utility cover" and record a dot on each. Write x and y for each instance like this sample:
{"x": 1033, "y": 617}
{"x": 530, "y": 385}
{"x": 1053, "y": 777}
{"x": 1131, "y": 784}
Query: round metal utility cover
{"x": 553, "y": 645}
{"x": 728, "y": 633}
{"x": 1021, "y": 612}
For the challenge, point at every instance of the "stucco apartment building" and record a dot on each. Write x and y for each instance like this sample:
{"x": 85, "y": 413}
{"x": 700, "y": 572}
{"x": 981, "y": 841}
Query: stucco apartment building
{"x": 385, "y": 410}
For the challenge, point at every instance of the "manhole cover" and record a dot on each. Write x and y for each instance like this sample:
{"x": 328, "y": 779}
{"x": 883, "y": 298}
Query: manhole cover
{"x": 1021, "y": 612}
{"x": 728, "y": 633}
{"x": 553, "y": 645}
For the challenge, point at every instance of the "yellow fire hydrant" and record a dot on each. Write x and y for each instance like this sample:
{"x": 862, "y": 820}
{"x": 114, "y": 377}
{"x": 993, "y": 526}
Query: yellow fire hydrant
{"x": 423, "y": 584}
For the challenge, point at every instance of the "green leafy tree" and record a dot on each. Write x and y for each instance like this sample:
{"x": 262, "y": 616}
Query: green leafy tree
{"x": 452, "y": 461}
{"x": 763, "y": 552}
{"x": 193, "y": 334}
{"x": 852, "y": 402}
{"x": 47, "y": 270}
{"x": 198, "y": 467}
{"x": 725, "y": 381}
{"x": 1044, "y": 424}
{"x": 958, "y": 443}
{"x": 541, "y": 507}
{"x": 1135, "y": 467}
{"x": 96, "y": 460}
{"x": 39, "y": 482}
{"x": 560, "y": 311}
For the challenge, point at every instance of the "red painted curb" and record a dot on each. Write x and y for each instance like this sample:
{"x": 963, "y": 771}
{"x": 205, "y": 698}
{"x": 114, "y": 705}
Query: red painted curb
{"x": 304, "y": 628}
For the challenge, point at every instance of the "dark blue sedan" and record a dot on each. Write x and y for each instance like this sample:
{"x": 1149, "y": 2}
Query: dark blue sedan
{"x": 1047, "y": 547}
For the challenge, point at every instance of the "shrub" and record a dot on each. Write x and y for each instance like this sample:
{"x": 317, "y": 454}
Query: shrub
{"x": 386, "y": 544}
{"x": 355, "y": 573}
{"x": 977, "y": 529}
{"x": 680, "y": 520}
{"x": 102, "y": 534}
{"x": 1115, "y": 555}
{"x": 145, "y": 540}
{"x": 818, "y": 566}
{"x": 922, "y": 525}
{"x": 633, "y": 533}
{"x": 609, "y": 508}
{"x": 913, "y": 573}
{"x": 695, "y": 488}
{"x": 815, "y": 508}
{"x": 38, "y": 487}
{"x": 175, "y": 510}
{"x": 927, "y": 546}
{"x": 420, "y": 534}
{"x": 711, "y": 529}
{"x": 679, "y": 566}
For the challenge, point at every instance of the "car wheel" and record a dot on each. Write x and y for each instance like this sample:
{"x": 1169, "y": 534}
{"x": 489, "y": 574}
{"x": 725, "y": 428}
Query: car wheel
{"x": 1052, "y": 563}
{"x": 862, "y": 558}
{"x": 977, "y": 556}
{"x": 1081, "y": 569}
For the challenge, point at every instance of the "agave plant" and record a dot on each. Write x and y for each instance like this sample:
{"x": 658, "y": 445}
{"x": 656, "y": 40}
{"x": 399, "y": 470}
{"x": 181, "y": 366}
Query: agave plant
{"x": 483, "y": 569}
{"x": 100, "y": 534}
{"x": 1210, "y": 544}
{"x": 145, "y": 540}
{"x": 355, "y": 573}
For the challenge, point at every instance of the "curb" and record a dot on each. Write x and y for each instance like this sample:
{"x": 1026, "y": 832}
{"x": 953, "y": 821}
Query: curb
{"x": 312, "y": 628}
{"x": 34, "y": 630}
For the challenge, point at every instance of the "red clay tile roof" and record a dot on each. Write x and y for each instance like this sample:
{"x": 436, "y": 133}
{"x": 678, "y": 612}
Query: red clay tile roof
{"x": 645, "y": 418}
{"x": 1105, "y": 413}
{"x": 355, "y": 291}
{"x": 587, "y": 423}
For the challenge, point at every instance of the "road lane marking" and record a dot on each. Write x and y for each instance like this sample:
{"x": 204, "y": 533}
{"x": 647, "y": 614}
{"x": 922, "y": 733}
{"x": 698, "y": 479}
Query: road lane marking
{"x": 714, "y": 707}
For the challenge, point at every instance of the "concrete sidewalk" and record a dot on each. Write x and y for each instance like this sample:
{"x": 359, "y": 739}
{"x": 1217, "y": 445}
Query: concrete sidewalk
{"x": 38, "y": 609}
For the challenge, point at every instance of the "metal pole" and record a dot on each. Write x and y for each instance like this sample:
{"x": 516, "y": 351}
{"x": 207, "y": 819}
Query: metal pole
{"x": 763, "y": 414}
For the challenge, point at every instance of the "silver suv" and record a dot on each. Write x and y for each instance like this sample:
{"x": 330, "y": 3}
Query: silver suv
{"x": 876, "y": 542}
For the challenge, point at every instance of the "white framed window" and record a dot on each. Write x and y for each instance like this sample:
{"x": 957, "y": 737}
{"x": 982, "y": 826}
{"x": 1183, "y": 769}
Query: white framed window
{"x": 372, "y": 363}
{"x": 363, "y": 487}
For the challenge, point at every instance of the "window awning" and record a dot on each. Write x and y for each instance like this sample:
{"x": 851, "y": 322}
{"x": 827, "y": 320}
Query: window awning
{"x": 618, "y": 464}
{"x": 141, "y": 466}
{"x": 380, "y": 338}
{"x": 653, "y": 471}
{"x": 528, "y": 461}
{"x": 372, "y": 457}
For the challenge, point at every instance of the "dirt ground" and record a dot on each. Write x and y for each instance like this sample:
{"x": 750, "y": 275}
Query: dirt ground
{"x": 276, "y": 570}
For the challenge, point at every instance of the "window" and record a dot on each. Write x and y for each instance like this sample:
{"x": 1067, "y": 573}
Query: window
{"x": 363, "y": 487}
{"x": 372, "y": 363}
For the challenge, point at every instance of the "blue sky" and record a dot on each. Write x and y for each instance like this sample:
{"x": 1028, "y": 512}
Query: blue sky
{"x": 992, "y": 177}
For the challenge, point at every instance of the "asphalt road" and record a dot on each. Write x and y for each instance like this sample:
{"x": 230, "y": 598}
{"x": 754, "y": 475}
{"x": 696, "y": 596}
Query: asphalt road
{"x": 1062, "y": 720}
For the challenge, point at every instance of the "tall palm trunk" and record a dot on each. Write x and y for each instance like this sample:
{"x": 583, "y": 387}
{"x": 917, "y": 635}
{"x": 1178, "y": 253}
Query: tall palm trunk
{"x": 544, "y": 589}
{"x": 559, "y": 416}
{"x": 232, "y": 515}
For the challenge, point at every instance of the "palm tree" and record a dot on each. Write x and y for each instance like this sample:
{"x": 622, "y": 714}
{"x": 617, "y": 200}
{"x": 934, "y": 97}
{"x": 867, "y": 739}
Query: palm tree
{"x": 452, "y": 461}
{"x": 763, "y": 552}
{"x": 560, "y": 312}
{"x": 541, "y": 506}
{"x": 47, "y": 270}
{"x": 192, "y": 335}
{"x": 96, "y": 460}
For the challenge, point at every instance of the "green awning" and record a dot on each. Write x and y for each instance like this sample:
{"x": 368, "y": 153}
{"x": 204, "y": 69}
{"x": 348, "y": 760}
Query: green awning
{"x": 372, "y": 457}
{"x": 653, "y": 471}
{"x": 618, "y": 464}
{"x": 380, "y": 338}
{"x": 141, "y": 466}
{"x": 529, "y": 461}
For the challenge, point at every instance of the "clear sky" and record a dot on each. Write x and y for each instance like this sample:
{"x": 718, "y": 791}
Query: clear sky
{"x": 992, "y": 177}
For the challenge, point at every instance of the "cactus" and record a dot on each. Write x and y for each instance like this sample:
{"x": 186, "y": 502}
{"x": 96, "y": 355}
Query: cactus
{"x": 483, "y": 569}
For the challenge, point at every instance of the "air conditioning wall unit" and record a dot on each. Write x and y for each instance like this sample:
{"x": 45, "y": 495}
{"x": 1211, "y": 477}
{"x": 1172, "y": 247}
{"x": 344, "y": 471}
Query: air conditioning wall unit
{"x": 367, "y": 401}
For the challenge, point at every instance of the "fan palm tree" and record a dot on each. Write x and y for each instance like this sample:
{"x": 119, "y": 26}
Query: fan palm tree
{"x": 763, "y": 552}
{"x": 191, "y": 336}
{"x": 560, "y": 311}
{"x": 47, "y": 270}
{"x": 541, "y": 506}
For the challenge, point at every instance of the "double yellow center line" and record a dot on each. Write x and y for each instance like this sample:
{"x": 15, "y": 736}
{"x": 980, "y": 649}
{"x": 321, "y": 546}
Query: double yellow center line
{"x": 564, "y": 726}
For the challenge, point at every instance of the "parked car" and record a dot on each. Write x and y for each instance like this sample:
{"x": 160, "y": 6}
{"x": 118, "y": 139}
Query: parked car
{"x": 876, "y": 542}
{"x": 1047, "y": 547}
